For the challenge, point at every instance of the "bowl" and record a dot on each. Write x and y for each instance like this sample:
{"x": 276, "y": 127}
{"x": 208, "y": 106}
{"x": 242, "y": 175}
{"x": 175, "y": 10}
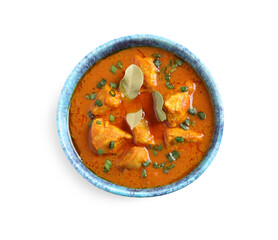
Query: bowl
{"x": 106, "y": 50}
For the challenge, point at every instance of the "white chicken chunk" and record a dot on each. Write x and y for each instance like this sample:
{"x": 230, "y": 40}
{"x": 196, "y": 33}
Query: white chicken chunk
{"x": 149, "y": 70}
{"x": 109, "y": 98}
{"x": 175, "y": 136}
{"x": 134, "y": 158}
{"x": 107, "y": 137}
{"x": 176, "y": 108}
{"x": 142, "y": 134}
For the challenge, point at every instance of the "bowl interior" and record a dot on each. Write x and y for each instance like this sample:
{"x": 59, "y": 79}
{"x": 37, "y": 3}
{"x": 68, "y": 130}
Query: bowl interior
{"x": 106, "y": 50}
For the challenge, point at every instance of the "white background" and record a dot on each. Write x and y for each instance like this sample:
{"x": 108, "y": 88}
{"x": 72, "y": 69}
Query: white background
{"x": 43, "y": 196}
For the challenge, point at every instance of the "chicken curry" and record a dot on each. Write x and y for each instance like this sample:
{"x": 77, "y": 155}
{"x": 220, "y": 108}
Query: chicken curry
{"x": 141, "y": 118}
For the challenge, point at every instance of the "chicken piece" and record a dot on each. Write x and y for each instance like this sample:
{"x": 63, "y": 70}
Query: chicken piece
{"x": 149, "y": 70}
{"x": 134, "y": 158}
{"x": 176, "y": 108}
{"x": 142, "y": 133}
{"x": 105, "y": 96}
{"x": 188, "y": 136}
{"x": 103, "y": 133}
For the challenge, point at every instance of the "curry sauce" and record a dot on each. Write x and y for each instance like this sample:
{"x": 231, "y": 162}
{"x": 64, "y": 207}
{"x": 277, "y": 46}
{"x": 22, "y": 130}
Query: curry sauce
{"x": 190, "y": 145}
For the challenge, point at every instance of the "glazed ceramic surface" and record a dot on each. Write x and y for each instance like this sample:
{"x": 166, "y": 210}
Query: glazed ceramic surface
{"x": 106, "y": 50}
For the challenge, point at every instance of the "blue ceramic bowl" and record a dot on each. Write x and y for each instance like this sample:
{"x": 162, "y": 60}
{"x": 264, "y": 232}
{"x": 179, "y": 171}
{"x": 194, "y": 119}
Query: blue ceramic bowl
{"x": 106, "y": 50}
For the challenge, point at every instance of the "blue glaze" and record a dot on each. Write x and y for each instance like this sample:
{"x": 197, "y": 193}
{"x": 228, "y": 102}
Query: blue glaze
{"x": 106, "y": 50}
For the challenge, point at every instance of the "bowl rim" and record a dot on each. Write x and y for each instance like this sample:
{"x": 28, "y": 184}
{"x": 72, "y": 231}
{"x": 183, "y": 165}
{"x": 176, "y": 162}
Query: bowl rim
{"x": 106, "y": 50}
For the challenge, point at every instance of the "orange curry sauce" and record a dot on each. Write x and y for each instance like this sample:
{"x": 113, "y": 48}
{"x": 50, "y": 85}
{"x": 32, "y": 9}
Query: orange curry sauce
{"x": 190, "y": 153}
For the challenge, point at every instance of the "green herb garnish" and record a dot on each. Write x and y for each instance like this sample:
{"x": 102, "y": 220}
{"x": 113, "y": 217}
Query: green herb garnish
{"x": 147, "y": 163}
{"x": 99, "y": 151}
{"x": 156, "y": 62}
{"x": 107, "y": 165}
{"x": 184, "y": 89}
{"x": 174, "y": 66}
{"x": 98, "y": 103}
{"x": 179, "y": 139}
{"x": 162, "y": 164}
{"x": 101, "y": 83}
{"x": 156, "y": 55}
{"x": 144, "y": 173}
{"x": 91, "y": 96}
{"x": 171, "y": 166}
{"x": 184, "y": 127}
{"x": 111, "y": 118}
{"x": 201, "y": 115}
{"x": 90, "y": 115}
{"x": 169, "y": 86}
{"x": 160, "y": 147}
{"x": 172, "y": 156}
{"x": 119, "y": 64}
{"x": 187, "y": 122}
{"x": 192, "y": 111}
{"x": 175, "y": 154}
{"x": 113, "y": 69}
{"x": 112, "y": 92}
{"x": 114, "y": 85}
{"x": 112, "y": 145}
{"x": 166, "y": 169}
{"x": 167, "y": 76}
{"x": 178, "y": 62}
{"x": 155, "y": 165}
